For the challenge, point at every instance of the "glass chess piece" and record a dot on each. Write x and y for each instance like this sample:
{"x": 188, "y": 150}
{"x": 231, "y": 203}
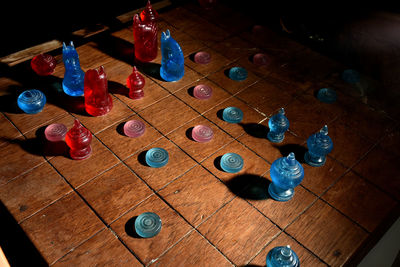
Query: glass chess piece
{"x": 172, "y": 60}
{"x": 238, "y": 74}
{"x": 55, "y": 132}
{"x": 326, "y": 95}
{"x": 319, "y": 145}
{"x": 278, "y": 124}
{"x": 78, "y": 139}
{"x": 282, "y": 256}
{"x": 145, "y": 37}
{"x": 74, "y": 75}
{"x": 43, "y": 64}
{"x": 135, "y": 83}
{"x": 157, "y": 157}
{"x": 148, "y": 224}
{"x": 202, "y": 57}
{"x": 98, "y": 101}
{"x": 231, "y": 162}
{"x": 202, "y": 133}
{"x": 31, "y": 101}
{"x": 134, "y": 128}
{"x": 202, "y": 91}
{"x": 232, "y": 115}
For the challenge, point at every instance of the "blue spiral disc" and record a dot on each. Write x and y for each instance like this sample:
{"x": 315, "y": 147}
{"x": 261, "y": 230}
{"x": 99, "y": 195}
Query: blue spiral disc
{"x": 238, "y": 74}
{"x": 31, "y": 101}
{"x": 231, "y": 162}
{"x": 148, "y": 224}
{"x": 351, "y": 76}
{"x": 232, "y": 115}
{"x": 157, "y": 157}
{"x": 326, "y": 95}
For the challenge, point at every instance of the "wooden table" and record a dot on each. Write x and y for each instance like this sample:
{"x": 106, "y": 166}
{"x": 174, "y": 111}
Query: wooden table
{"x": 57, "y": 211}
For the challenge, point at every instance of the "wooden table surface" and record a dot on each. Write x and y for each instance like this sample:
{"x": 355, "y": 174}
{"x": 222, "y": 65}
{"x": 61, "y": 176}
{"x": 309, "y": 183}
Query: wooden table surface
{"x": 61, "y": 212}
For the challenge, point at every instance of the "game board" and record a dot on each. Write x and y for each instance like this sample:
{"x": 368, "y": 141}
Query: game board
{"x": 63, "y": 212}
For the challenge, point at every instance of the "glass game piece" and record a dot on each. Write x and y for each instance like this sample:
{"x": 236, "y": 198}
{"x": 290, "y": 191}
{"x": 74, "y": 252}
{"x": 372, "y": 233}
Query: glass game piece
{"x": 231, "y": 162}
{"x": 351, "y": 76}
{"x": 55, "y": 132}
{"x": 145, "y": 38}
{"x": 261, "y": 59}
{"x": 78, "y": 139}
{"x": 157, "y": 157}
{"x": 278, "y": 124}
{"x": 98, "y": 101}
{"x": 202, "y": 91}
{"x": 286, "y": 173}
{"x": 326, "y": 95}
{"x": 232, "y": 115}
{"x": 238, "y": 74}
{"x": 202, "y": 57}
{"x": 43, "y": 64}
{"x": 282, "y": 257}
{"x": 31, "y": 101}
{"x": 202, "y": 133}
{"x": 319, "y": 145}
{"x": 134, "y": 128}
{"x": 149, "y": 14}
{"x": 135, "y": 83}
{"x": 207, "y": 4}
{"x": 148, "y": 224}
{"x": 74, "y": 75}
{"x": 172, "y": 67}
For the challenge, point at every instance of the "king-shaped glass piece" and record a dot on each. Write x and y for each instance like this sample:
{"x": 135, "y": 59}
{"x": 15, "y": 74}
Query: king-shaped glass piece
{"x": 145, "y": 38}
{"x": 286, "y": 173}
{"x": 319, "y": 145}
{"x": 278, "y": 124}
{"x": 282, "y": 256}
{"x": 98, "y": 101}
{"x": 74, "y": 75}
{"x": 172, "y": 67}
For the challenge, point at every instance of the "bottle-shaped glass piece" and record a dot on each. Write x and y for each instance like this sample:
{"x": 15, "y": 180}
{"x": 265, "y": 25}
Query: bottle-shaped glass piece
{"x": 98, "y": 101}
{"x": 43, "y": 64}
{"x": 149, "y": 14}
{"x": 74, "y": 75}
{"x": 78, "y": 139}
{"x": 145, "y": 38}
{"x": 278, "y": 124}
{"x": 148, "y": 224}
{"x": 172, "y": 67}
{"x": 282, "y": 257}
{"x": 286, "y": 173}
{"x": 31, "y": 101}
{"x": 135, "y": 83}
{"x": 319, "y": 145}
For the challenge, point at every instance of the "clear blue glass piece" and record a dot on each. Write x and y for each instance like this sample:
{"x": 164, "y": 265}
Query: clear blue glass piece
{"x": 157, "y": 157}
{"x": 31, "y": 101}
{"x": 231, "y": 162}
{"x": 232, "y": 115}
{"x": 326, "y": 95}
{"x": 172, "y": 67}
{"x": 278, "y": 124}
{"x": 282, "y": 257}
{"x": 148, "y": 224}
{"x": 238, "y": 74}
{"x": 74, "y": 75}
{"x": 286, "y": 173}
{"x": 351, "y": 76}
{"x": 319, "y": 145}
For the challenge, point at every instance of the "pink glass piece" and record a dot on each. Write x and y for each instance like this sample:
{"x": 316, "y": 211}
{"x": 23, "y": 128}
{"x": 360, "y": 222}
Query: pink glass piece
{"x": 78, "y": 139}
{"x": 55, "y": 132}
{"x": 149, "y": 14}
{"x": 135, "y": 83}
{"x": 202, "y": 57}
{"x": 202, "y": 91}
{"x": 134, "y": 128}
{"x": 202, "y": 133}
{"x": 261, "y": 59}
{"x": 145, "y": 38}
{"x": 43, "y": 64}
{"x": 98, "y": 101}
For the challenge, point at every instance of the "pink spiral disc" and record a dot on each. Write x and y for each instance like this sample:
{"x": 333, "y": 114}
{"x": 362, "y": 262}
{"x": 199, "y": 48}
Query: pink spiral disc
{"x": 261, "y": 59}
{"x": 202, "y": 57}
{"x": 202, "y": 133}
{"x": 134, "y": 128}
{"x": 202, "y": 91}
{"x": 55, "y": 132}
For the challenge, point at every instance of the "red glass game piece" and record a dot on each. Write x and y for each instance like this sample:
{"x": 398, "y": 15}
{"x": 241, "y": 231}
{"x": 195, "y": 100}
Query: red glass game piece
{"x": 135, "y": 83}
{"x": 149, "y": 14}
{"x": 43, "y": 64}
{"x": 78, "y": 139}
{"x": 202, "y": 133}
{"x": 98, "y": 101}
{"x": 134, "y": 128}
{"x": 202, "y": 57}
{"x": 261, "y": 59}
{"x": 145, "y": 38}
{"x": 55, "y": 132}
{"x": 202, "y": 91}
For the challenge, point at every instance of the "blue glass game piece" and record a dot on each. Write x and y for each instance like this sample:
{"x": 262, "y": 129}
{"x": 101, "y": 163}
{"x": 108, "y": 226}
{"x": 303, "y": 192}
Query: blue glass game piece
{"x": 157, "y": 157}
{"x": 238, "y": 74}
{"x": 148, "y": 224}
{"x": 232, "y": 115}
{"x": 172, "y": 67}
{"x": 286, "y": 173}
{"x": 282, "y": 257}
{"x": 326, "y": 95}
{"x": 278, "y": 124}
{"x": 351, "y": 76}
{"x": 31, "y": 101}
{"x": 74, "y": 76}
{"x": 231, "y": 162}
{"x": 319, "y": 145}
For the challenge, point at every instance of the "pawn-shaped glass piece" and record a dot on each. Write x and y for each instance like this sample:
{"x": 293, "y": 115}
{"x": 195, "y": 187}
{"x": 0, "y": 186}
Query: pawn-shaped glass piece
{"x": 148, "y": 224}
{"x": 282, "y": 257}
{"x": 157, "y": 157}
{"x": 98, "y": 101}
{"x": 231, "y": 162}
{"x": 319, "y": 145}
{"x": 238, "y": 74}
{"x": 278, "y": 124}
{"x": 74, "y": 75}
{"x": 202, "y": 133}
{"x": 172, "y": 67}
{"x": 43, "y": 64}
{"x": 135, "y": 83}
{"x": 31, "y": 101}
{"x": 149, "y": 14}
{"x": 286, "y": 173}
{"x": 351, "y": 76}
{"x": 145, "y": 37}
{"x": 78, "y": 139}
{"x": 55, "y": 132}
{"x": 232, "y": 115}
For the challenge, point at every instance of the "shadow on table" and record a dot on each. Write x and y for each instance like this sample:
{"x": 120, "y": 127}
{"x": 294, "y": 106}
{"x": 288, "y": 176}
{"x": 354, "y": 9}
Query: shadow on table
{"x": 249, "y": 186}
{"x": 130, "y": 228}
{"x": 255, "y": 129}
{"x": 297, "y": 149}
{"x": 142, "y": 158}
